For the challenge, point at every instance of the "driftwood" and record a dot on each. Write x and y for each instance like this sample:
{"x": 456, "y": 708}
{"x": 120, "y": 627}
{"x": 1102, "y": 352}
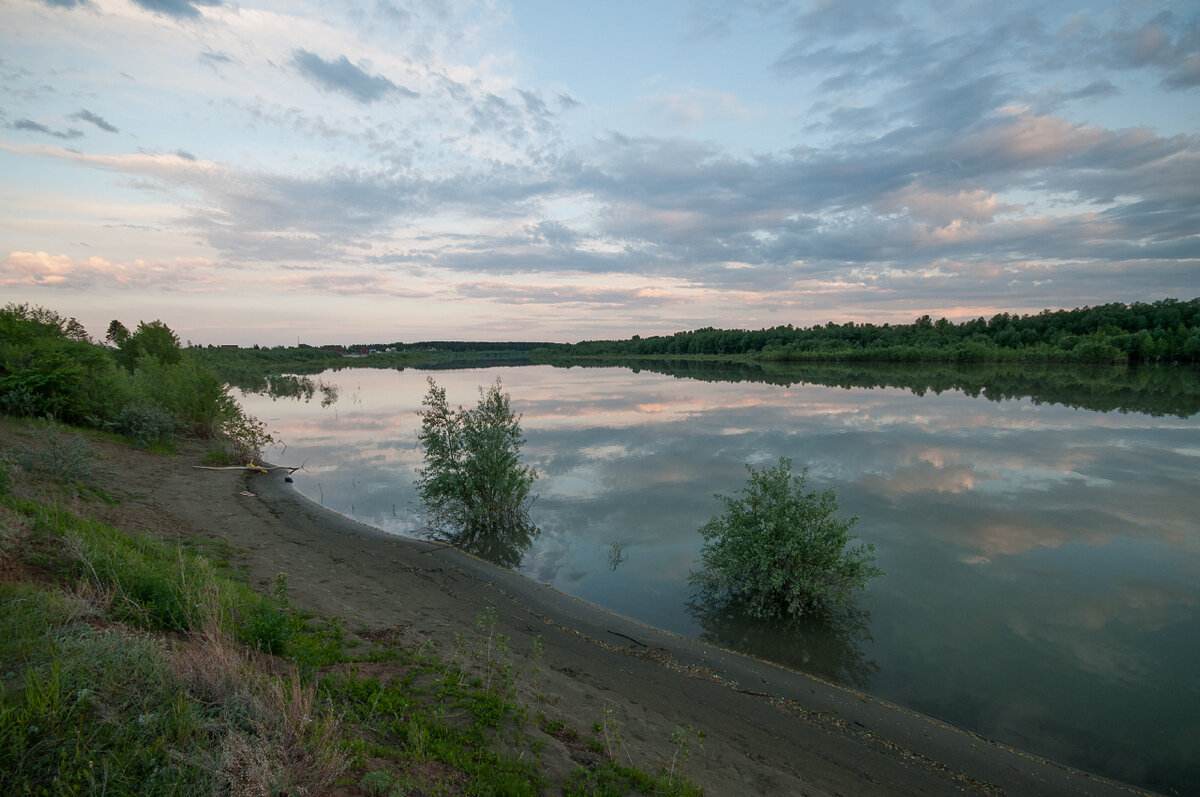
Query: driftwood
{"x": 252, "y": 468}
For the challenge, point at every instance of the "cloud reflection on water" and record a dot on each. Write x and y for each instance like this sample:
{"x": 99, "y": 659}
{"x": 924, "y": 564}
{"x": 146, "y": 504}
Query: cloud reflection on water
{"x": 1034, "y": 552}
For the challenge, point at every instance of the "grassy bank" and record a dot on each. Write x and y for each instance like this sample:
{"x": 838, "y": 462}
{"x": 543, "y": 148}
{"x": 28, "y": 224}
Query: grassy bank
{"x": 133, "y": 663}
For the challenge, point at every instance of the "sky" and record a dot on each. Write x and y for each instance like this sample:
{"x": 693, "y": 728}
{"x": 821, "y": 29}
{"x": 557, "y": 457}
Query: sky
{"x": 400, "y": 170}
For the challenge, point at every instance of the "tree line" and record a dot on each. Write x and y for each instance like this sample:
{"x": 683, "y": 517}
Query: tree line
{"x": 1165, "y": 331}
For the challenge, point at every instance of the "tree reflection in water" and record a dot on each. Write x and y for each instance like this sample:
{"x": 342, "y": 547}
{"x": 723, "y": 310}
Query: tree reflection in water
{"x": 502, "y": 542}
{"x": 829, "y": 646}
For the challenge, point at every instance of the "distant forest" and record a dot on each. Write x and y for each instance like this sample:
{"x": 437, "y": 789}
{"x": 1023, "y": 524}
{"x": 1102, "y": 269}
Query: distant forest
{"x": 1166, "y": 331}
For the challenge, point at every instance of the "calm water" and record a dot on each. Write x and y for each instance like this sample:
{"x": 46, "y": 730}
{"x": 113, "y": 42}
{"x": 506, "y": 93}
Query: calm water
{"x": 1043, "y": 562}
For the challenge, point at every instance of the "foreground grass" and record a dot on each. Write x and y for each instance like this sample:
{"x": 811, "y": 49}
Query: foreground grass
{"x": 130, "y": 665}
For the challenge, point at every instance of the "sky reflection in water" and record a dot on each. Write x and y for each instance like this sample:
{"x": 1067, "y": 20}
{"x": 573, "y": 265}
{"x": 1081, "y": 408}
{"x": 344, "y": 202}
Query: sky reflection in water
{"x": 1042, "y": 562}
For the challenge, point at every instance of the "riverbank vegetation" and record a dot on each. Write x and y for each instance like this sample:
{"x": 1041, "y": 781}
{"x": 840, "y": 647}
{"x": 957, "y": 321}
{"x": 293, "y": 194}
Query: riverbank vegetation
{"x": 1163, "y": 333}
{"x": 1055, "y": 355}
{"x": 1166, "y": 332}
{"x": 257, "y": 369}
{"x": 475, "y": 490}
{"x": 145, "y": 387}
{"x": 131, "y": 664}
{"x": 138, "y": 662}
{"x": 778, "y": 550}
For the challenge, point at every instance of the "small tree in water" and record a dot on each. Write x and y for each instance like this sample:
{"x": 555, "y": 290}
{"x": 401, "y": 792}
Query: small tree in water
{"x": 475, "y": 490}
{"x": 778, "y": 550}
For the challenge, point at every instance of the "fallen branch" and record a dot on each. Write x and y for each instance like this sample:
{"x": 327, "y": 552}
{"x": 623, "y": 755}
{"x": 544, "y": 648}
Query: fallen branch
{"x": 251, "y": 467}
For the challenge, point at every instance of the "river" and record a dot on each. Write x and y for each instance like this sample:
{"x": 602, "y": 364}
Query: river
{"x": 1042, "y": 551}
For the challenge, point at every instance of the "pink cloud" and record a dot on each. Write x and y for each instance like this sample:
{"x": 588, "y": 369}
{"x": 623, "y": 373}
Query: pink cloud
{"x": 1034, "y": 140}
{"x": 41, "y": 269}
{"x": 945, "y": 207}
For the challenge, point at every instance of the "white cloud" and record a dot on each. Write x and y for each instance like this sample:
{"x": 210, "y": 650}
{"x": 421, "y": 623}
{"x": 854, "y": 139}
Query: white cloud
{"x": 846, "y": 159}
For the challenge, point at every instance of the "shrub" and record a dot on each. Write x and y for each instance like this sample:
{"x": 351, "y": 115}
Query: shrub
{"x": 193, "y": 394}
{"x": 68, "y": 458}
{"x": 475, "y": 489}
{"x": 778, "y": 550}
{"x": 145, "y": 423}
{"x": 245, "y": 434}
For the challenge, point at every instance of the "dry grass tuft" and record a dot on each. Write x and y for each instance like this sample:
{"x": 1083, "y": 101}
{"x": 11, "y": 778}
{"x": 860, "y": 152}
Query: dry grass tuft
{"x": 285, "y": 740}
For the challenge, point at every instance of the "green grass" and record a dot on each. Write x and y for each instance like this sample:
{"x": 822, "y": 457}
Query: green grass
{"x": 89, "y": 711}
{"x": 136, "y": 666}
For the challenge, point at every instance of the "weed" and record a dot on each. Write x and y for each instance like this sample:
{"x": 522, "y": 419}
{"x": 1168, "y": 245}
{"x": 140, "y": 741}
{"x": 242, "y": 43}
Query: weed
{"x": 382, "y": 783}
{"x": 218, "y": 457}
{"x": 489, "y": 658}
{"x": 67, "y": 458}
{"x": 280, "y": 587}
{"x": 539, "y": 654}
{"x": 95, "y": 712}
{"x": 8, "y": 471}
{"x": 614, "y": 742}
{"x": 680, "y": 739}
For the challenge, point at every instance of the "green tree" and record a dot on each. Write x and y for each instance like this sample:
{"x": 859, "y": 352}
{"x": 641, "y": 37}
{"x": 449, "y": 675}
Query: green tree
{"x": 778, "y": 551}
{"x": 117, "y": 333}
{"x": 155, "y": 339}
{"x": 150, "y": 339}
{"x": 476, "y": 492}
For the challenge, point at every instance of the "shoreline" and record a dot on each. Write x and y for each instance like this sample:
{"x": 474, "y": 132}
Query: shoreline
{"x": 796, "y": 732}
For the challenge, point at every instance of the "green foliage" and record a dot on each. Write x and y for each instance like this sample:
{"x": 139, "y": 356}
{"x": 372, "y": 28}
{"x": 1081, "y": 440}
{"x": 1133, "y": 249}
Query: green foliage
{"x": 94, "y": 712}
{"x": 150, "y": 339}
{"x": 475, "y": 490}
{"x": 49, "y": 368}
{"x": 245, "y": 434}
{"x": 159, "y": 587}
{"x": 145, "y": 423}
{"x": 97, "y": 700}
{"x": 185, "y": 389}
{"x": 116, "y": 712}
{"x": 61, "y": 455}
{"x": 1166, "y": 331}
{"x": 147, "y": 388}
{"x": 779, "y": 551}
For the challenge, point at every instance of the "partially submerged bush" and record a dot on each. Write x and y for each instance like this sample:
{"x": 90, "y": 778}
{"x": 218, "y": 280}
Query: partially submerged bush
{"x": 778, "y": 551}
{"x": 475, "y": 490}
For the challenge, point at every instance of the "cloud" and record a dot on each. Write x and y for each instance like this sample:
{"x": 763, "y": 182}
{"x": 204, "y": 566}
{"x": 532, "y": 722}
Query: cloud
{"x": 93, "y": 274}
{"x": 214, "y": 59}
{"x": 85, "y": 115}
{"x": 181, "y": 9}
{"x": 349, "y": 284}
{"x": 1186, "y": 76}
{"x": 342, "y": 76}
{"x": 513, "y": 293}
{"x": 31, "y": 126}
{"x": 34, "y": 269}
{"x": 903, "y": 156}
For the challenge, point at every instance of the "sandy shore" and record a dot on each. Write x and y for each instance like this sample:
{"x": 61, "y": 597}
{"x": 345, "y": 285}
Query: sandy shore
{"x": 770, "y": 731}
